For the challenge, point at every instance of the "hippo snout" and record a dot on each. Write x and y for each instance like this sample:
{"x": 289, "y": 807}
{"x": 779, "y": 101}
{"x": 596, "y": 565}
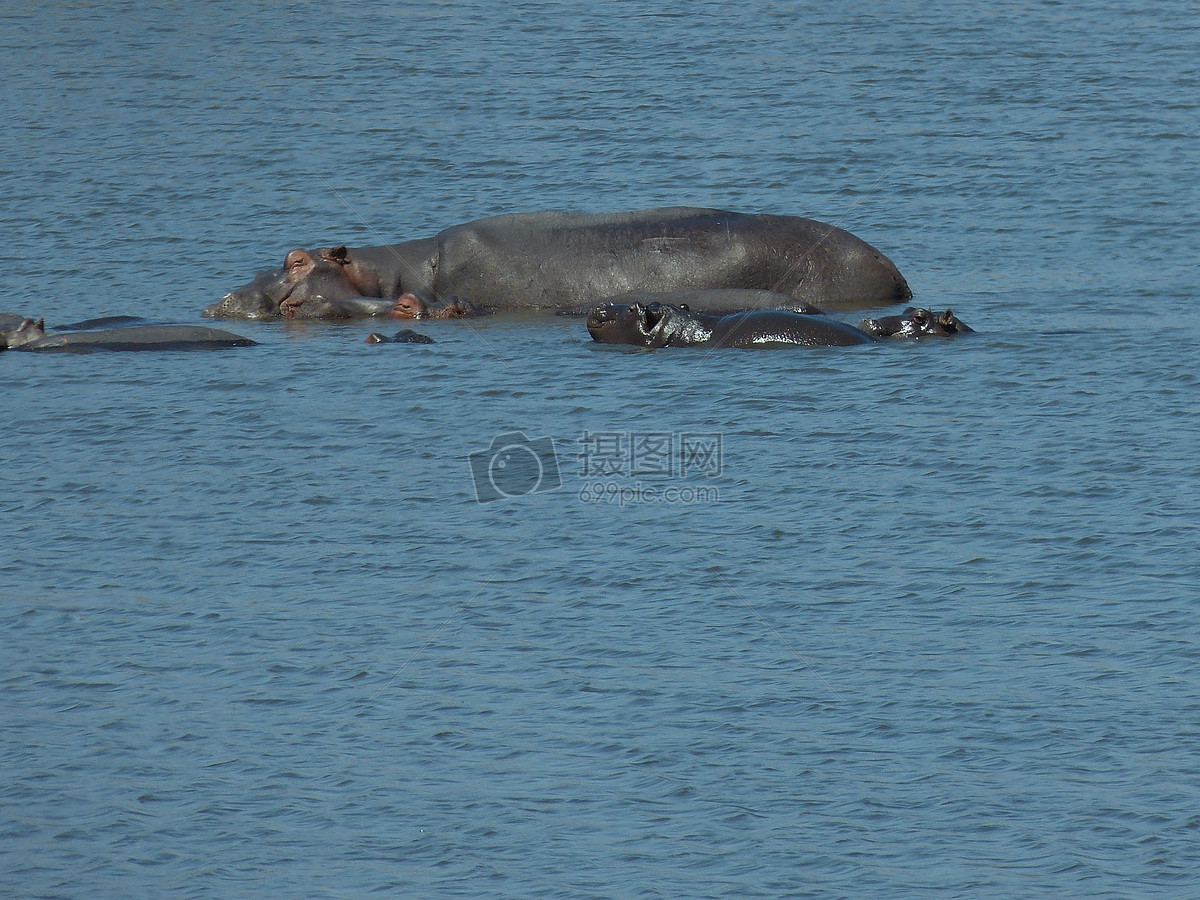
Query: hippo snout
{"x": 601, "y": 315}
{"x": 245, "y": 303}
{"x": 213, "y": 310}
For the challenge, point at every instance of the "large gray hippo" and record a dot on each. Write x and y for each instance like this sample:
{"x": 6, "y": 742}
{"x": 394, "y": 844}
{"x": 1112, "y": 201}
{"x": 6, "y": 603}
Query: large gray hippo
{"x": 555, "y": 260}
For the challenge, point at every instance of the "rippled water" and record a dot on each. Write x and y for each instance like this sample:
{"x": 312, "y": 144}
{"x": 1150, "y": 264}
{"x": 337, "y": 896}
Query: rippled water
{"x": 930, "y": 630}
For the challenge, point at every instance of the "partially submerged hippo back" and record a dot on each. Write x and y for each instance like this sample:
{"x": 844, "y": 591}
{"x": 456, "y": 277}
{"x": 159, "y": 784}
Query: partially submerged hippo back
{"x": 32, "y": 336}
{"x": 555, "y": 260}
{"x": 660, "y": 325}
{"x": 406, "y": 336}
{"x": 917, "y": 322}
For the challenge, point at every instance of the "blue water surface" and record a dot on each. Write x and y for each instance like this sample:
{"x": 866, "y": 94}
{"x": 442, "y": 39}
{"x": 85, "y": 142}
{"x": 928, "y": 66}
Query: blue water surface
{"x": 920, "y": 620}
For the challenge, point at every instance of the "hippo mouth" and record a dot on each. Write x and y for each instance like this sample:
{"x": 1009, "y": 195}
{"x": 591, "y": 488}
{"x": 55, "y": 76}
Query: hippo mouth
{"x": 652, "y": 315}
{"x": 636, "y": 323}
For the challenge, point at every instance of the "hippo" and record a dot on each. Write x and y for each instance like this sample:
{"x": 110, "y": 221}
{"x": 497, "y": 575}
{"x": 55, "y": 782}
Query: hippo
{"x": 101, "y": 322}
{"x": 715, "y": 301}
{"x": 13, "y": 321}
{"x": 298, "y": 308}
{"x": 406, "y": 306}
{"x": 917, "y": 322}
{"x": 409, "y": 306}
{"x": 407, "y": 336}
{"x": 31, "y": 335}
{"x": 323, "y": 277}
{"x": 555, "y": 260}
{"x": 662, "y": 325}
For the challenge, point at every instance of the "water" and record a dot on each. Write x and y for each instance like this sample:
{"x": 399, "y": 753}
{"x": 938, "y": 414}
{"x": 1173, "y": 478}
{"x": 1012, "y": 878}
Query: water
{"x": 929, "y": 631}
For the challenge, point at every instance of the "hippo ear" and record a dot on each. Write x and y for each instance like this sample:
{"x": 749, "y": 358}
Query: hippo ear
{"x": 920, "y": 316}
{"x": 297, "y": 259}
{"x": 339, "y": 255}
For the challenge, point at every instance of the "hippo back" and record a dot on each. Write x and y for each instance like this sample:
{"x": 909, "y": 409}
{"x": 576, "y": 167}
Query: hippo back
{"x": 560, "y": 259}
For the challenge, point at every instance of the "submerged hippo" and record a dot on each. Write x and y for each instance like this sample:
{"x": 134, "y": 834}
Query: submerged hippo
{"x": 715, "y": 301}
{"x": 662, "y": 325}
{"x": 410, "y": 306}
{"x": 406, "y": 306}
{"x": 31, "y": 335}
{"x": 407, "y": 336}
{"x": 917, "y": 322}
{"x": 555, "y": 260}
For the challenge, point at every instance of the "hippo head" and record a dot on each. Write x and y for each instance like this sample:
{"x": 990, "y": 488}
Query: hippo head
{"x": 409, "y": 306}
{"x": 407, "y": 336}
{"x": 643, "y": 325}
{"x": 917, "y": 322}
{"x": 25, "y": 333}
{"x": 325, "y": 274}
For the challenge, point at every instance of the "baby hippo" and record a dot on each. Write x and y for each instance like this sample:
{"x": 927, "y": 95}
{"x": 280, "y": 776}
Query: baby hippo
{"x": 665, "y": 325}
{"x": 917, "y": 322}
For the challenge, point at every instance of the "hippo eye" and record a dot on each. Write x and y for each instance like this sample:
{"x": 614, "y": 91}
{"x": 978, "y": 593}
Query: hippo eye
{"x": 920, "y": 316}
